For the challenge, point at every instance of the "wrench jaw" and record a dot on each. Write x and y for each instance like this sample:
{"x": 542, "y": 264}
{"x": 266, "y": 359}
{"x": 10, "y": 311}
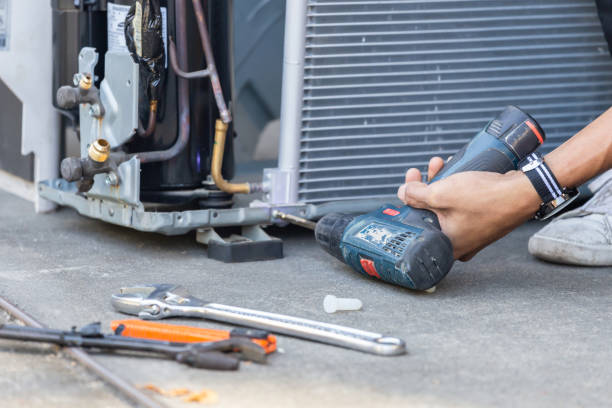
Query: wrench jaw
{"x": 132, "y": 299}
{"x": 153, "y": 302}
{"x": 127, "y": 303}
{"x": 152, "y": 309}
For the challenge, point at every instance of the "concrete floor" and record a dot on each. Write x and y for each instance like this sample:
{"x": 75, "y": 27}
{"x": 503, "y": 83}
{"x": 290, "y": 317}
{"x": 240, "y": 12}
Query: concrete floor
{"x": 501, "y": 330}
{"x": 40, "y": 376}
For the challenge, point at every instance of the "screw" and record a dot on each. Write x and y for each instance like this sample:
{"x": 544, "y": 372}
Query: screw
{"x": 94, "y": 110}
{"x": 153, "y": 309}
{"x": 112, "y": 179}
{"x": 331, "y": 304}
{"x": 111, "y": 212}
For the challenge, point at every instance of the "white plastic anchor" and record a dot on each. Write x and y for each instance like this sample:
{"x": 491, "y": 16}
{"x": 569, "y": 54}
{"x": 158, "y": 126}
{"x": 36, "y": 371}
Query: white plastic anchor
{"x": 331, "y": 304}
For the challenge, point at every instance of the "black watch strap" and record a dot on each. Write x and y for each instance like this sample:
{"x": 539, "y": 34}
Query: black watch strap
{"x": 554, "y": 197}
{"x": 542, "y": 178}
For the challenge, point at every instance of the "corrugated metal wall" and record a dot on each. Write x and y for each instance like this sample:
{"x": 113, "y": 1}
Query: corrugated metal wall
{"x": 388, "y": 84}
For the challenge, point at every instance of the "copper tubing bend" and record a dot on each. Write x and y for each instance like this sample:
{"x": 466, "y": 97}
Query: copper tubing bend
{"x": 152, "y": 120}
{"x": 177, "y": 69}
{"x": 217, "y": 163}
{"x": 211, "y": 69}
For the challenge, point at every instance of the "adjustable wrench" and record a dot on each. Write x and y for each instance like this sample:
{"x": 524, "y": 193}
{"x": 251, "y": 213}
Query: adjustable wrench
{"x": 151, "y": 302}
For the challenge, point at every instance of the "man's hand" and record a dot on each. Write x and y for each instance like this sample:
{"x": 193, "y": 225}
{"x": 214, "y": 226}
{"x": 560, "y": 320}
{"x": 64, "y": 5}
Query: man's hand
{"x": 474, "y": 208}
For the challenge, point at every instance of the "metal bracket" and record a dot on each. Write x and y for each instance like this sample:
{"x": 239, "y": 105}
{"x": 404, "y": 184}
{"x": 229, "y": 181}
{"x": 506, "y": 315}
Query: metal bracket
{"x": 119, "y": 96}
{"x": 280, "y": 186}
{"x": 254, "y": 244}
{"x": 124, "y": 186}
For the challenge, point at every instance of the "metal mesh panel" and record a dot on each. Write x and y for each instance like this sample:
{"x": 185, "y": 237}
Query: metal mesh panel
{"x": 388, "y": 84}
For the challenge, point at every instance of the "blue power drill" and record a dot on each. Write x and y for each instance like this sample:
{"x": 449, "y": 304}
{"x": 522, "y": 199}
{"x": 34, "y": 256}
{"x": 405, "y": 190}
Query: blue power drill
{"x": 404, "y": 245}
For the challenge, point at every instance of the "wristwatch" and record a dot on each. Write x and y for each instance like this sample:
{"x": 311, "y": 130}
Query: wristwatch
{"x": 554, "y": 197}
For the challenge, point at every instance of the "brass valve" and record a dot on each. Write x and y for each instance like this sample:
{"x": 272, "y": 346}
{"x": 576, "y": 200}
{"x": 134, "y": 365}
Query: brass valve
{"x": 85, "y": 82}
{"x": 99, "y": 151}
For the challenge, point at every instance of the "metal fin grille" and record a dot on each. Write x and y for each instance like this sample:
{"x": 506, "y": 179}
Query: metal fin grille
{"x": 388, "y": 84}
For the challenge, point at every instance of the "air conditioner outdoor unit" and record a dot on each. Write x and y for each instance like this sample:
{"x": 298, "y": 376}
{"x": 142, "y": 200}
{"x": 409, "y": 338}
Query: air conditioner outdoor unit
{"x": 371, "y": 88}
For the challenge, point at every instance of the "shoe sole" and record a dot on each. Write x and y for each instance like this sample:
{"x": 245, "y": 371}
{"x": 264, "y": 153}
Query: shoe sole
{"x": 564, "y": 252}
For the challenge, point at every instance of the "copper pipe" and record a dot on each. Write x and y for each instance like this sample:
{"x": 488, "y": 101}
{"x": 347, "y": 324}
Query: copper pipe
{"x": 217, "y": 163}
{"x": 152, "y": 120}
{"x": 220, "y": 124}
{"x": 183, "y": 95}
{"x": 210, "y": 62}
{"x": 210, "y": 71}
{"x": 178, "y": 71}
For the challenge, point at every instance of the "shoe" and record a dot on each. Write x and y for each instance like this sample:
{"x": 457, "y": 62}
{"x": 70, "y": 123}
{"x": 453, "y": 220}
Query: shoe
{"x": 582, "y": 236}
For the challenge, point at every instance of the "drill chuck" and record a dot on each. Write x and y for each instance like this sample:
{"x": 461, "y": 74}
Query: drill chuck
{"x": 329, "y": 231}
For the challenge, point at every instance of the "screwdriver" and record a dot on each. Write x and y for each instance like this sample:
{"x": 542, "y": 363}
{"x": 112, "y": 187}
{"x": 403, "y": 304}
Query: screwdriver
{"x": 189, "y": 334}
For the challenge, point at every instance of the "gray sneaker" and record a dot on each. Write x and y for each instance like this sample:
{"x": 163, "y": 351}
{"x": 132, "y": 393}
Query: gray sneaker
{"x": 582, "y": 236}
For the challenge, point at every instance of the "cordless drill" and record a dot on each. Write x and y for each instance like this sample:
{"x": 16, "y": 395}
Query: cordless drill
{"x": 404, "y": 245}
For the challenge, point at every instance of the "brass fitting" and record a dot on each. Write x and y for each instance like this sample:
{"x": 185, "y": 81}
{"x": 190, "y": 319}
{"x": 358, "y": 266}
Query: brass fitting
{"x": 85, "y": 82}
{"x": 217, "y": 163}
{"x": 99, "y": 151}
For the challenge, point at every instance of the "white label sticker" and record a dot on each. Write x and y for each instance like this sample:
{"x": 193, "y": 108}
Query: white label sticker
{"x": 4, "y": 25}
{"x": 164, "y": 13}
{"x": 116, "y": 15}
{"x": 138, "y": 28}
{"x": 377, "y": 234}
{"x": 116, "y": 26}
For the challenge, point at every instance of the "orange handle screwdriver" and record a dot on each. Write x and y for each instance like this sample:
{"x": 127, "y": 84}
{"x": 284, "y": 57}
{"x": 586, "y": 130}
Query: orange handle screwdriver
{"x": 187, "y": 334}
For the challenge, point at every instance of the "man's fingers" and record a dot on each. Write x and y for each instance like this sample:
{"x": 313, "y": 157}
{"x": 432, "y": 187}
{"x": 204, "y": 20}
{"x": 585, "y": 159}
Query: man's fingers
{"x": 435, "y": 165}
{"x": 470, "y": 255}
{"x": 401, "y": 191}
{"x": 414, "y": 194}
{"x": 413, "y": 175}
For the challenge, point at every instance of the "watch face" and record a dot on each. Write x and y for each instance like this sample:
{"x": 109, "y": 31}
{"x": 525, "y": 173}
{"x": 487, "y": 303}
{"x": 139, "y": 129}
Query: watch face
{"x": 549, "y": 209}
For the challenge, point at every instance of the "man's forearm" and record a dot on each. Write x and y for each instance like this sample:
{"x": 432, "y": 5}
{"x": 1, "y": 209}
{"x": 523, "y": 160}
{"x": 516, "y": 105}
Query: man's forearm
{"x": 476, "y": 208}
{"x": 585, "y": 155}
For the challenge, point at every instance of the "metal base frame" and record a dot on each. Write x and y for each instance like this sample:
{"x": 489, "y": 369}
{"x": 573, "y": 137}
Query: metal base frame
{"x": 136, "y": 217}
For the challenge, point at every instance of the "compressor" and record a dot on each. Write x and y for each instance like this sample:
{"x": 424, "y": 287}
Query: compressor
{"x": 165, "y": 116}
